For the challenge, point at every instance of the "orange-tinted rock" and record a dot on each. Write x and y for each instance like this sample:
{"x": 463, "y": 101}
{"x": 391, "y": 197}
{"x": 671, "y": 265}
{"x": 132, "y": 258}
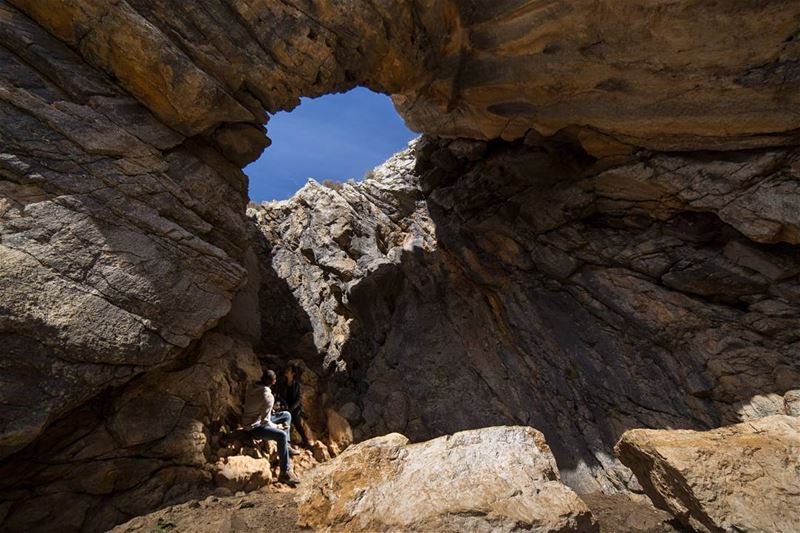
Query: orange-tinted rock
{"x": 744, "y": 477}
{"x": 491, "y": 479}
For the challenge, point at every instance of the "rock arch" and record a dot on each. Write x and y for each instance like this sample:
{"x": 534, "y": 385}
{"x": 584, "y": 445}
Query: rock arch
{"x": 125, "y": 125}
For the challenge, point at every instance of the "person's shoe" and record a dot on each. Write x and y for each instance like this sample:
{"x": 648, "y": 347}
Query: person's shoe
{"x": 293, "y": 451}
{"x": 289, "y": 478}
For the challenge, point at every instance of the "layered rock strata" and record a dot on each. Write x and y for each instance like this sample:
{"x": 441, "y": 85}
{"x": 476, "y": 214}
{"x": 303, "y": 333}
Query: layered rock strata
{"x": 744, "y": 477}
{"x": 120, "y": 238}
{"x": 664, "y": 75}
{"x": 491, "y": 479}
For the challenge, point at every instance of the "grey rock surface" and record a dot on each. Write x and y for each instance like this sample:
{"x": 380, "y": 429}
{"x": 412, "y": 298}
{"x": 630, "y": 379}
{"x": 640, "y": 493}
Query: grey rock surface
{"x": 531, "y": 288}
{"x": 119, "y": 242}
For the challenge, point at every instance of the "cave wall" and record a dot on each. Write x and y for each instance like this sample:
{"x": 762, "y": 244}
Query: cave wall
{"x": 120, "y": 237}
{"x": 464, "y": 285}
{"x": 123, "y": 240}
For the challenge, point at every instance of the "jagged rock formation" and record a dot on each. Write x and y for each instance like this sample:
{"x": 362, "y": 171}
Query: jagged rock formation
{"x": 738, "y": 478}
{"x": 321, "y": 244}
{"x": 540, "y": 286}
{"x": 387, "y": 484}
{"x": 593, "y": 266}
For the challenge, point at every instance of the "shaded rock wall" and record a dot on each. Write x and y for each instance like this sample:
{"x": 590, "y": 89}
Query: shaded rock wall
{"x": 122, "y": 236}
{"x": 131, "y": 449}
{"x": 542, "y": 286}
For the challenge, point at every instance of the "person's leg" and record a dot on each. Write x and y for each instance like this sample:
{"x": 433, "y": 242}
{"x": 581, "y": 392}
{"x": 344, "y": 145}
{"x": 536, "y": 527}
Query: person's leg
{"x": 280, "y": 437}
{"x": 298, "y": 425}
{"x": 283, "y": 417}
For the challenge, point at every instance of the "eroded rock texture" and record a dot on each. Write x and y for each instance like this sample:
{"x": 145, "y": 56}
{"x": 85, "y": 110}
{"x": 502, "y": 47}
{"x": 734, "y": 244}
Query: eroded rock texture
{"x": 738, "y": 478}
{"x": 574, "y": 282}
{"x": 387, "y": 484}
{"x": 131, "y": 449}
{"x": 541, "y": 286}
{"x": 118, "y": 239}
{"x": 664, "y": 74}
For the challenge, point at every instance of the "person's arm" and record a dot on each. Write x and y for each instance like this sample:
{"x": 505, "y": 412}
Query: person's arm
{"x": 270, "y": 400}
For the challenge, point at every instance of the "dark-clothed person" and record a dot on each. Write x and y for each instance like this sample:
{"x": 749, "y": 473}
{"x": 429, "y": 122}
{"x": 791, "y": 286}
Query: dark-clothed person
{"x": 291, "y": 395}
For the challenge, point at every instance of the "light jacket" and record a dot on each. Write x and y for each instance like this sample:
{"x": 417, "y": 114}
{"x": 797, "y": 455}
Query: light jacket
{"x": 258, "y": 407}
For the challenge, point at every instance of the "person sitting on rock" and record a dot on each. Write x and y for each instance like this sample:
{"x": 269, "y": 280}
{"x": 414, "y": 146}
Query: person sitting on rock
{"x": 261, "y": 423}
{"x": 291, "y": 396}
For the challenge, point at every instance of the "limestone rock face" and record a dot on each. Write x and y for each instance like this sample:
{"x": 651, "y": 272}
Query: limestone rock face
{"x": 744, "y": 477}
{"x": 538, "y": 284}
{"x": 491, "y": 479}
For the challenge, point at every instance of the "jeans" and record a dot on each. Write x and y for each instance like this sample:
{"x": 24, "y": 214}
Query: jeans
{"x": 298, "y": 425}
{"x": 283, "y": 417}
{"x": 280, "y": 436}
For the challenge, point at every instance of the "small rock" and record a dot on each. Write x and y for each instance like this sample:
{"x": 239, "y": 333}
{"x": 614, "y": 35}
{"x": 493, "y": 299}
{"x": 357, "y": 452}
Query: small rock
{"x": 208, "y": 501}
{"x": 320, "y": 452}
{"x": 242, "y": 473}
{"x": 468, "y": 149}
{"x": 791, "y": 402}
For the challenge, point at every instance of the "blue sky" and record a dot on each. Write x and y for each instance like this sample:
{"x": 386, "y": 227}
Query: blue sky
{"x": 337, "y": 136}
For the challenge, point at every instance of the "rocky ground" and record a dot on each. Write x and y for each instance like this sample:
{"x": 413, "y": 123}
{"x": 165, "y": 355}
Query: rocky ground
{"x": 736, "y": 478}
{"x": 271, "y": 510}
{"x": 388, "y": 485}
{"x": 277, "y": 511}
{"x": 618, "y": 513}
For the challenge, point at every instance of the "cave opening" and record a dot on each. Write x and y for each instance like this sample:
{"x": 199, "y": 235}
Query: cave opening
{"x": 332, "y": 138}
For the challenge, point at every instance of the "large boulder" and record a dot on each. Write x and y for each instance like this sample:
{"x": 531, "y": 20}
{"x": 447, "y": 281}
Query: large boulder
{"x": 744, "y": 477}
{"x": 491, "y": 479}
